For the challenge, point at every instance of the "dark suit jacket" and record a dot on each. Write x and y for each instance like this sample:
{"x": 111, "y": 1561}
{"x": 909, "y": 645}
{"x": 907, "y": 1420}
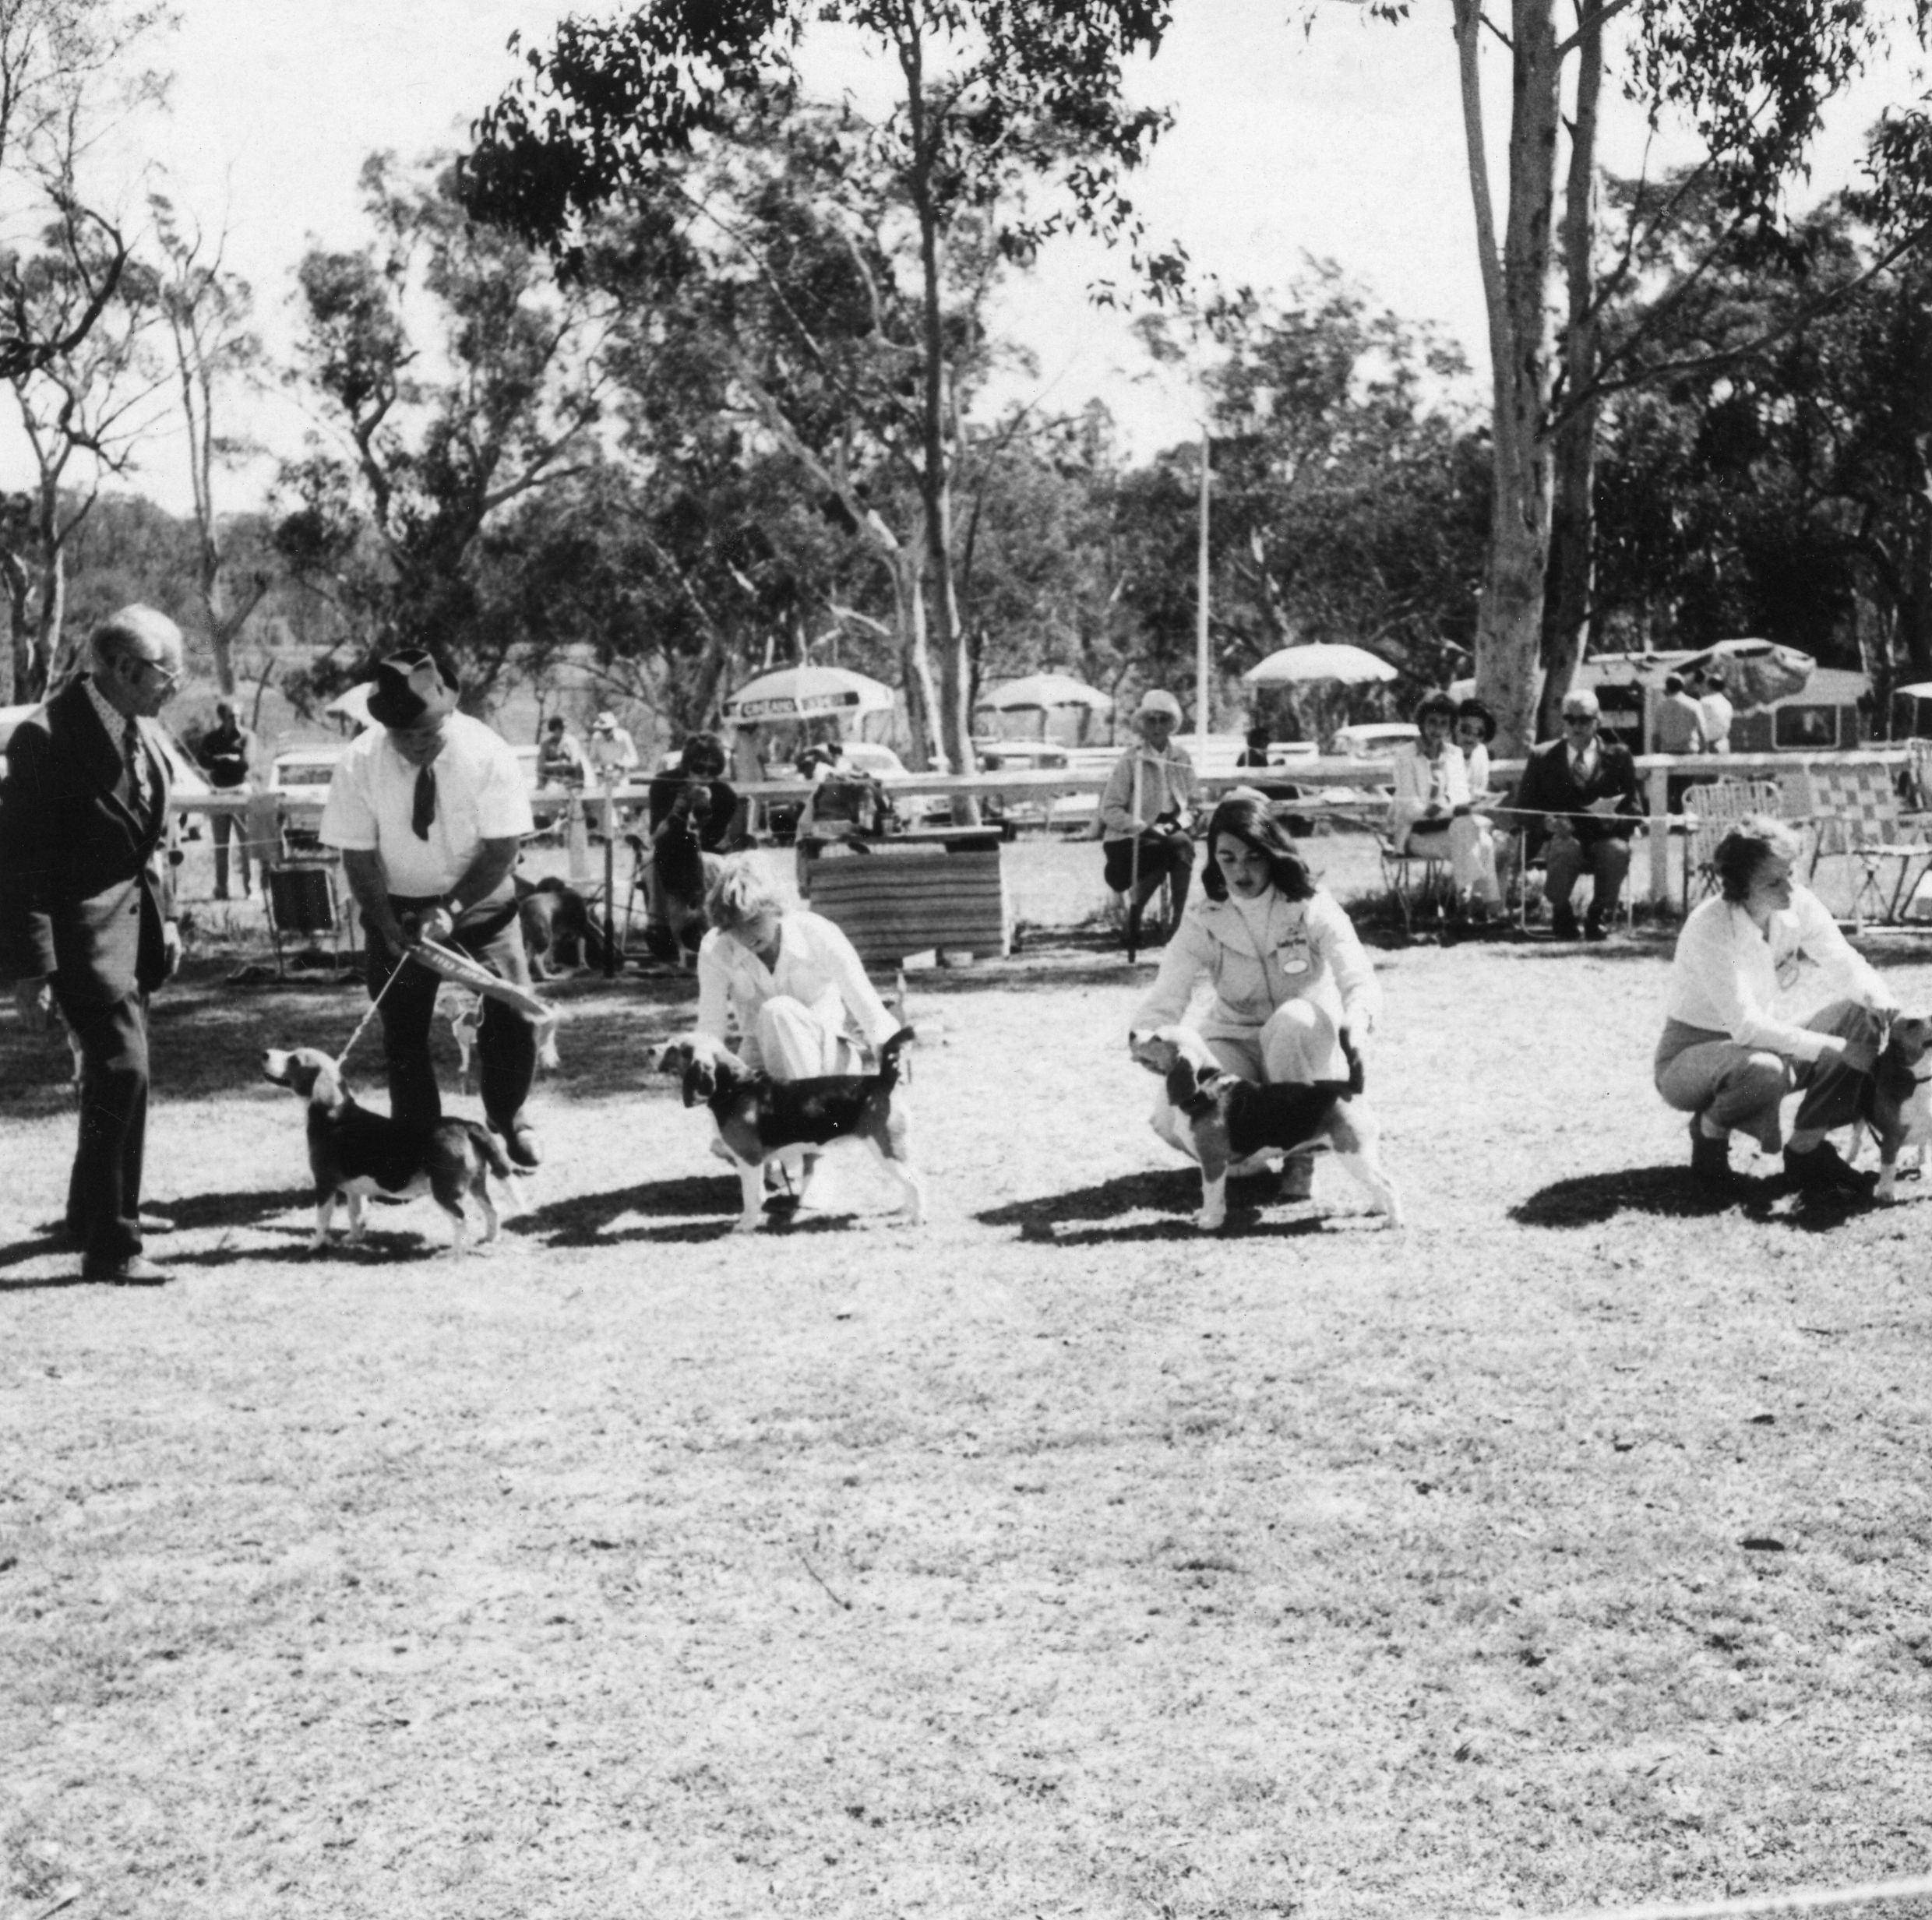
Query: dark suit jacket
{"x": 1550, "y": 786}
{"x": 83, "y": 886}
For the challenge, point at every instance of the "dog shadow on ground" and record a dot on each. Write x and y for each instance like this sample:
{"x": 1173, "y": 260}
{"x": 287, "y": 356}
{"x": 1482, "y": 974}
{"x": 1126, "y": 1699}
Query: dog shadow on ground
{"x": 699, "y": 1207}
{"x": 1058, "y": 1219}
{"x": 1593, "y": 1199}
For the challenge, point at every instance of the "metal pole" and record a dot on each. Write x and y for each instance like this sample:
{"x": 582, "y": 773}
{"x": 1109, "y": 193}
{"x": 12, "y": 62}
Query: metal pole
{"x": 610, "y": 879}
{"x": 1134, "y": 866}
{"x": 1201, "y": 614}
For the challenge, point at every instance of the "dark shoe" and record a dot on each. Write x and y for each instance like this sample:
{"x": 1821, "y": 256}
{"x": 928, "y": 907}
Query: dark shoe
{"x": 660, "y": 942}
{"x": 135, "y": 1271}
{"x": 522, "y": 1145}
{"x": 1593, "y": 928}
{"x": 1823, "y": 1171}
{"x": 1562, "y": 924}
{"x": 1710, "y": 1160}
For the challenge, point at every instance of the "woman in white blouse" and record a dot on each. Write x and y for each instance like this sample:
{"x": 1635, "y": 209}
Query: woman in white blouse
{"x": 789, "y": 977}
{"x": 1730, "y": 1051}
{"x": 1432, "y": 809}
{"x": 1282, "y": 958}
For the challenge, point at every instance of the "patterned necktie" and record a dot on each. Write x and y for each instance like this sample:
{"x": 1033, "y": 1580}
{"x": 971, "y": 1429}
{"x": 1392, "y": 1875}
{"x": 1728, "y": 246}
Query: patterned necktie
{"x": 424, "y": 812}
{"x": 136, "y": 760}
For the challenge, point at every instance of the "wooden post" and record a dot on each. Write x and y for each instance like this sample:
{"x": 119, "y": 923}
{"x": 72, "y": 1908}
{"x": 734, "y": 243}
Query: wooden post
{"x": 1659, "y": 836}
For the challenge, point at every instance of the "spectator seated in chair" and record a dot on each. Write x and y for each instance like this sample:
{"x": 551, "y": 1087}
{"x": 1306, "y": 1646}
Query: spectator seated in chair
{"x": 1578, "y": 806}
{"x": 1432, "y": 816}
{"x": 1148, "y": 808}
{"x": 691, "y": 810}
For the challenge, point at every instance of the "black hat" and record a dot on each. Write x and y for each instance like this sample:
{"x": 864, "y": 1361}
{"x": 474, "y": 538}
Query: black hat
{"x": 407, "y": 685}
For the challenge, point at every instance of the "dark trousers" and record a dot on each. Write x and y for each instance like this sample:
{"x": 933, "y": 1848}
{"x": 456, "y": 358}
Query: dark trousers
{"x": 1163, "y": 857}
{"x": 103, "y": 1194}
{"x": 222, "y": 826}
{"x": 507, "y": 1043}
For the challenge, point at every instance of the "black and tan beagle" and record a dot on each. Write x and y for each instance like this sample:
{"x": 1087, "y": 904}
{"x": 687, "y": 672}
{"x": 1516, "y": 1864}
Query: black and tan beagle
{"x": 356, "y": 1155}
{"x": 1228, "y": 1118}
{"x": 758, "y": 1116}
{"x": 1895, "y": 1099}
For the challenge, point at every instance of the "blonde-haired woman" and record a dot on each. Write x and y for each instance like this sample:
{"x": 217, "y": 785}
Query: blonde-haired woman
{"x": 788, "y": 976}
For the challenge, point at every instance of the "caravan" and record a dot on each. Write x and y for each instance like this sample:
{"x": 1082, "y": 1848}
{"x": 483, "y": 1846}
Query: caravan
{"x": 1829, "y": 713}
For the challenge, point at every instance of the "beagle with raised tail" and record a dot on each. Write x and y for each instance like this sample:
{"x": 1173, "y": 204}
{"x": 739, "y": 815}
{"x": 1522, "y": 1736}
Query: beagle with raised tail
{"x": 1228, "y": 1118}
{"x": 356, "y": 1155}
{"x": 759, "y": 1117}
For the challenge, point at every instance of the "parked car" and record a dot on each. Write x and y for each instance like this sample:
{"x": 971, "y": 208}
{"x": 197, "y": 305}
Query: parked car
{"x": 185, "y": 778}
{"x": 1374, "y": 740}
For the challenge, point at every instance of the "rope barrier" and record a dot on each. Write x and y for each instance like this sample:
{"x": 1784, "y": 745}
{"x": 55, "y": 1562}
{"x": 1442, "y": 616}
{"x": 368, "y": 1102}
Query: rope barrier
{"x": 1800, "y": 1900}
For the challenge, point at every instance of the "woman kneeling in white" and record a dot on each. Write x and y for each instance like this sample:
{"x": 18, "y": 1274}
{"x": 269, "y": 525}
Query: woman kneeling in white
{"x": 1729, "y": 1054}
{"x": 1287, "y": 970}
{"x": 790, "y": 978}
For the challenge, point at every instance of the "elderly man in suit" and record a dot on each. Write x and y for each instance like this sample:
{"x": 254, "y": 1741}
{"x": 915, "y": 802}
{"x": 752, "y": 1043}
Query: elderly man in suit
{"x": 1579, "y": 804}
{"x": 86, "y": 915}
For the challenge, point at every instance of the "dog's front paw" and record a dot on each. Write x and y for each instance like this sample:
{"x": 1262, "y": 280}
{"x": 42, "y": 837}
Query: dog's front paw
{"x": 1210, "y": 1220}
{"x": 748, "y": 1223}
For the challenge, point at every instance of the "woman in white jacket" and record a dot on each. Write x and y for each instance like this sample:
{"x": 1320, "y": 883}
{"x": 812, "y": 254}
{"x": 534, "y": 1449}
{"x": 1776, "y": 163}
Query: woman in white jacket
{"x": 1287, "y": 970}
{"x": 1433, "y": 811}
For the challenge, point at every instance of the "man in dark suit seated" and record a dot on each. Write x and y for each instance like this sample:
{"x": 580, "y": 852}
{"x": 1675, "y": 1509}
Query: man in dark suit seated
{"x": 1578, "y": 804}
{"x": 86, "y": 910}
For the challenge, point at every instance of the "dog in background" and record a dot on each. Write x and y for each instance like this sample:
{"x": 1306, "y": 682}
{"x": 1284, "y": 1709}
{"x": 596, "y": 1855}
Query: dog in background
{"x": 1228, "y": 1118}
{"x": 1896, "y": 1103}
{"x": 559, "y": 929}
{"x": 356, "y": 1155}
{"x": 758, "y": 1117}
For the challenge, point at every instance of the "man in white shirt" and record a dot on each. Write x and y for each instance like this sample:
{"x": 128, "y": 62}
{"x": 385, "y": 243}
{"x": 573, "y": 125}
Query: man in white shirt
{"x": 1149, "y": 799}
{"x": 1714, "y": 705}
{"x": 429, "y": 809}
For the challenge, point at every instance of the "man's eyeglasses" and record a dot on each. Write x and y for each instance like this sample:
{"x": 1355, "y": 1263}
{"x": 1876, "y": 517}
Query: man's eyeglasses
{"x": 166, "y": 675}
{"x": 1579, "y": 720}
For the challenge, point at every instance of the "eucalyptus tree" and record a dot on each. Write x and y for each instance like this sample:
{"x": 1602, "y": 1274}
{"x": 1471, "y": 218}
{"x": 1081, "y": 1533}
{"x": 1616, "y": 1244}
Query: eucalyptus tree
{"x": 992, "y": 97}
{"x": 1751, "y": 81}
{"x": 457, "y": 378}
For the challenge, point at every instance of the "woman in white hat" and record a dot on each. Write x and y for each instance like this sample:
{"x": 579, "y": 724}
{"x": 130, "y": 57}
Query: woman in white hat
{"x": 1150, "y": 798}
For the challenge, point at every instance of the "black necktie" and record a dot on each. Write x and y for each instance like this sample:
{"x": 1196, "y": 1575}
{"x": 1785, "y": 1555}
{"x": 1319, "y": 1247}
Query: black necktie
{"x": 424, "y": 810}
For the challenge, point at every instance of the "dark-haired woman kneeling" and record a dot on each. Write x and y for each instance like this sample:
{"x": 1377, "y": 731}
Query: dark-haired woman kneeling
{"x": 1287, "y": 970}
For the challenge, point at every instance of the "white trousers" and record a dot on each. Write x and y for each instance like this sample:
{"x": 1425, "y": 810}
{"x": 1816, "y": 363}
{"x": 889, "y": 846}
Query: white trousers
{"x": 1471, "y": 853}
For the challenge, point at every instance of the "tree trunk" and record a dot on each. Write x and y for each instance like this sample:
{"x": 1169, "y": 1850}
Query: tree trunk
{"x": 16, "y": 665}
{"x": 915, "y": 661}
{"x": 52, "y": 669}
{"x": 935, "y": 486}
{"x": 1571, "y": 577}
{"x": 1509, "y": 626}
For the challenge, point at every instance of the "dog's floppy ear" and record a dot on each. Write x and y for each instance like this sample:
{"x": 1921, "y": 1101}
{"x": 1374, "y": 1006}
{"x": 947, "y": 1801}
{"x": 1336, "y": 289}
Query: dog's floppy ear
{"x": 699, "y": 1082}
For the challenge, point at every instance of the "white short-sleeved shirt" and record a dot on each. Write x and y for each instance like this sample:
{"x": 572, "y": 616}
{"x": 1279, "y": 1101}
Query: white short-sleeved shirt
{"x": 480, "y": 796}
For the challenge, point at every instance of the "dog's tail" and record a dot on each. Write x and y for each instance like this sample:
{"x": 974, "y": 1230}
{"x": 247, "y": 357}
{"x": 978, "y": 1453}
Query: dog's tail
{"x": 1356, "y": 1078}
{"x": 889, "y": 1056}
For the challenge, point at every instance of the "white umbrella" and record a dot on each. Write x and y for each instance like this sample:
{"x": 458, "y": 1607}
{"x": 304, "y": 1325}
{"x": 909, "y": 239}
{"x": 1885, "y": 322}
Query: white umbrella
{"x": 1919, "y": 690}
{"x": 1756, "y": 672}
{"x": 1318, "y": 660}
{"x": 1044, "y": 690}
{"x": 805, "y": 693}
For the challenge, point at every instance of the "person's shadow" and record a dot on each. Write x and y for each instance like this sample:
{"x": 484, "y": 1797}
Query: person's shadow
{"x": 1592, "y": 1199}
{"x": 197, "y": 1211}
{"x": 1058, "y": 1219}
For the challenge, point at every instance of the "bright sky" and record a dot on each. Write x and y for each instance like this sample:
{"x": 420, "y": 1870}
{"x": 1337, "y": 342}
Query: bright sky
{"x": 1343, "y": 142}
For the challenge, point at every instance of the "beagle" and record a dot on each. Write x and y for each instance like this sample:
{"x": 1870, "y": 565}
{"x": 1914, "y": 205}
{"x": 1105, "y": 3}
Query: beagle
{"x": 355, "y": 1154}
{"x": 464, "y": 1013}
{"x": 759, "y": 1117}
{"x": 1895, "y": 1098}
{"x": 1228, "y": 1118}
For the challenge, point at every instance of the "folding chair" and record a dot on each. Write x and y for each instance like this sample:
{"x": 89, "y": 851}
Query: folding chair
{"x": 1710, "y": 811}
{"x": 1419, "y": 879}
{"x": 1857, "y": 813}
{"x": 301, "y": 900}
